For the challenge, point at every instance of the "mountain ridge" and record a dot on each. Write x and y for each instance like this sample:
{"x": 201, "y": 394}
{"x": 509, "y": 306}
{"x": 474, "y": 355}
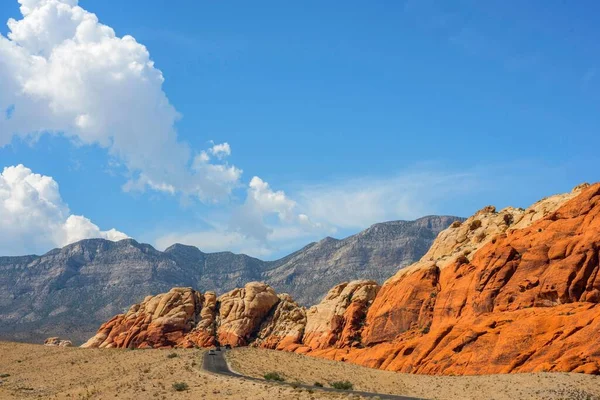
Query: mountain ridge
{"x": 509, "y": 291}
{"x": 90, "y": 280}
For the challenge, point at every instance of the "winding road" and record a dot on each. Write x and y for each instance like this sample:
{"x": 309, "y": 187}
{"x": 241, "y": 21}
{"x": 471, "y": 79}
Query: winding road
{"x": 218, "y": 365}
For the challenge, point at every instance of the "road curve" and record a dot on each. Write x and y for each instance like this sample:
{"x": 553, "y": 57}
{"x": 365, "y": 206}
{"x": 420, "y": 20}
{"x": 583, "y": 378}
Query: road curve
{"x": 216, "y": 364}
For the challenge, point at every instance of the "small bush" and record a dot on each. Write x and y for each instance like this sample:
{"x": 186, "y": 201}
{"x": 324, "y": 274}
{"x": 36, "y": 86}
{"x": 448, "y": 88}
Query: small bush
{"x": 273, "y": 376}
{"x": 456, "y": 224}
{"x": 426, "y": 328}
{"x": 318, "y": 384}
{"x": 180, "y": 386}
{"x": 462, "y": 259}
{"x": 172, "y": 355}
{"x": 342, "y": 385}
{"x": 475, "y": 224}
{"x": 4, "y": 375}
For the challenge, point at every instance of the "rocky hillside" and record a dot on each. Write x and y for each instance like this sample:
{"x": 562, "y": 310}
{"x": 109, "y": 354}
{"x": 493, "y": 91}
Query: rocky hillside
{"x": 375, "y": 253}
{"x": 505, "y": 291}
{"x": 69, "y": 292}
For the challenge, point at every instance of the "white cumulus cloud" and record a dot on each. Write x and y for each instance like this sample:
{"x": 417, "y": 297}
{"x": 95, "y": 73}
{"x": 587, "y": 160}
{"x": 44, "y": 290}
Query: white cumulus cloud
{"x": 221, "y": 150}
{"x": 34, "y": 218}
{"x": 267, "y": 222}
{"x": 64, "y": 72}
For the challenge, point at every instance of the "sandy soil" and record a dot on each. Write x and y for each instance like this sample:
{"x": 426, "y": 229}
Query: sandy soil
{"x": 39, "y": 372}
{"x": 294, "y": 367}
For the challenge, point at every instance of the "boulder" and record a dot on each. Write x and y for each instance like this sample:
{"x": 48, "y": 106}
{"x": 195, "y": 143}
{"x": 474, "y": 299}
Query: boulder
{"x": 56, "y": 341}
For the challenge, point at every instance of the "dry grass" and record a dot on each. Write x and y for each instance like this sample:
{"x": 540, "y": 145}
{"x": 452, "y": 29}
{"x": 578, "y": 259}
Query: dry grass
{"x": 304, "y": 369}
{"x": 39, "y": 372}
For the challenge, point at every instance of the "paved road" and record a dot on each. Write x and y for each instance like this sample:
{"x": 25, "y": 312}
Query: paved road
{"x": 217, "y": 364}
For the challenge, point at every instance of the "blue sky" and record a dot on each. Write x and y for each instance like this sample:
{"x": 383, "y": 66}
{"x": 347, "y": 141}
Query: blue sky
{"x": 352, "y": 113}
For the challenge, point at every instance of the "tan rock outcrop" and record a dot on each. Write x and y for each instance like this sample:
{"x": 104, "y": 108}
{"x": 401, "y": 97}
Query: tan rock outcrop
{"x": 242, "y": 311}
{"x": 160, "y": 321}
{"x": 338, "y": 319}
{"x": 205, "y": 332}
{"x": 284, "y": 327}
{"x": 56, "y": 341}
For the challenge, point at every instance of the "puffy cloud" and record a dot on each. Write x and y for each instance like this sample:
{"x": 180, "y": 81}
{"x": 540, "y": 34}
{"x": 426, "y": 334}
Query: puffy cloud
{"x": 267, "y": 222}
{"x": 34, "y": 218}
{"x": 254, "y": 218}
{"x": 265, "y": 200}
{"x": 63, "y": 71}
{"x": 221, "y": 150}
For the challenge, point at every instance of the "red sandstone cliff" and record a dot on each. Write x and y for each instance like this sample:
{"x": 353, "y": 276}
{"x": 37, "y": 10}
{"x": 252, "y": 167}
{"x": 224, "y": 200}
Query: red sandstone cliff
{"x": 509, "y": 291}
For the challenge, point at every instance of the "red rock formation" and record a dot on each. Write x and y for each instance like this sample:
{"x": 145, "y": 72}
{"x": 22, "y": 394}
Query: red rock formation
{"x": 509, "y": 291}
{"x": 527, "y": 301}
{"x": 338, "y": 320}
{"x": 160, "y": 321}
{"x": 185, "y": 318}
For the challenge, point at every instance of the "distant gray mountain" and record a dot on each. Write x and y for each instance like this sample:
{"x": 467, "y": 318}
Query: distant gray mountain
{"x": 69, "y": 292}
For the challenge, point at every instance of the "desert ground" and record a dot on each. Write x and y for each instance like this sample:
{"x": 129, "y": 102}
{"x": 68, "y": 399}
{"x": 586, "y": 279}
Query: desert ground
{"x": 39, "y": 372}
{"x": 305, "y": 369}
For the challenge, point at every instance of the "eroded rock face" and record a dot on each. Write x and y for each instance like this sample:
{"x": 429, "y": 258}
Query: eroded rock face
{"x": 527, "y": 301}
{"x": 242, "y": 311}
{"x": 184, "y": 317}
{"x": 509, "y": 291}
{"x": 56, "y": 341}
{"x": 399, "y": 303}
{"x": 338, "y": 320}
{"x": 284, "y": 327}
{"x": 204, "y": 333}
{"x": 164, "y": 320}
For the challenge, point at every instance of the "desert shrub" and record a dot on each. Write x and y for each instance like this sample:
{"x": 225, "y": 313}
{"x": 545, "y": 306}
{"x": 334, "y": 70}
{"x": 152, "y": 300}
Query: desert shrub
{"x": 273, "y": 376}
{"x": 4, "y": 375}
{"x": 180, "y": 386}
{"x": 462, "y": 259}
{"x": 456, "y": 224}
{"x": 342, "y": 385}
{"x": 172, "y": 355}
{"x": 318, "y": 384}
{"x": 475, "y": 224}
{"x": 426, "y": 328}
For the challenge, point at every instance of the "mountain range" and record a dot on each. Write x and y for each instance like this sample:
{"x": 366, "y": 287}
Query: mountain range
{"x": 72, "y": 290}
{"x": 509, "y": 291}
